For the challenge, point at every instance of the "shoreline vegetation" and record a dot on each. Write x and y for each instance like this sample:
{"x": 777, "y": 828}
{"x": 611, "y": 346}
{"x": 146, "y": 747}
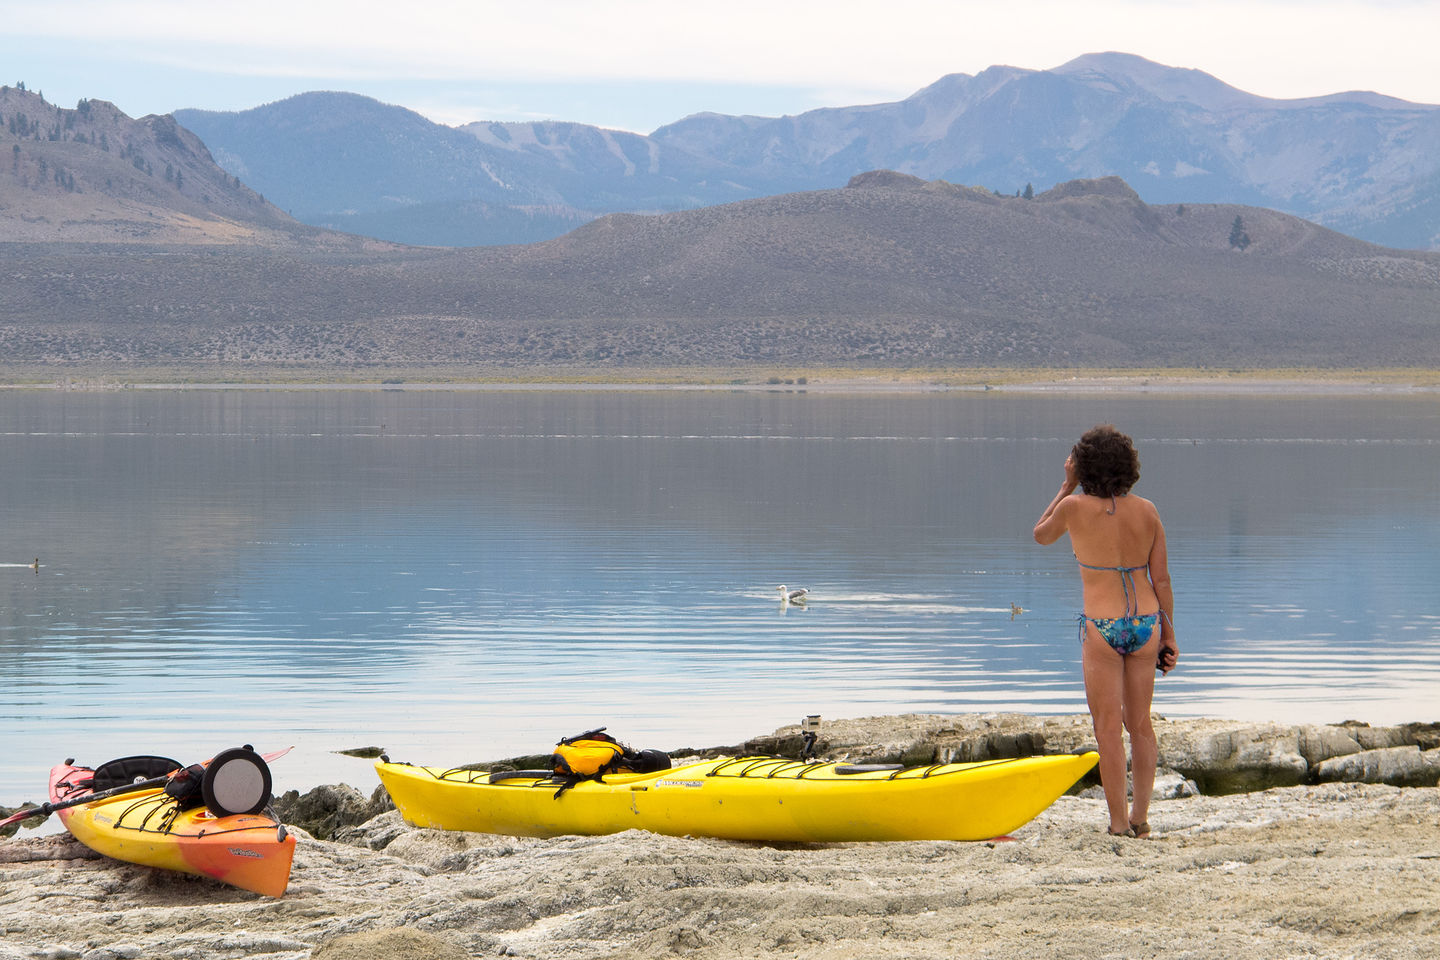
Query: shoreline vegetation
{"x": 823, "y": 380}
{"x": 1343, "y": 867}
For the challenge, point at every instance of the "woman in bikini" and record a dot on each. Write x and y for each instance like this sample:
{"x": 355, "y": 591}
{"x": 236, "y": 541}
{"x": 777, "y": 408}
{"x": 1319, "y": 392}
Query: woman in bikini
{"x": 1126, "y": 632}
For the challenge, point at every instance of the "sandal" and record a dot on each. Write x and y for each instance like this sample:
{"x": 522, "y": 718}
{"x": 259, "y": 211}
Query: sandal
{"x": 1140, "y": 831}
{"x": 1127, "y": 832}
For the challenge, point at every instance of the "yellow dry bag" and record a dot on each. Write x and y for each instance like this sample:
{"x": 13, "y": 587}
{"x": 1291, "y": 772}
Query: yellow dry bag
{"x": 589, "y": 755}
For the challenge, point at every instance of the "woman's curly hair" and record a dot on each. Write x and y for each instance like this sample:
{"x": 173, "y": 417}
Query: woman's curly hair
{"x": 1105, "y": 462}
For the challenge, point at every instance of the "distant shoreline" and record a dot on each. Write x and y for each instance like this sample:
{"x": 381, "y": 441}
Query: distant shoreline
{"x": 1249, "y": 382}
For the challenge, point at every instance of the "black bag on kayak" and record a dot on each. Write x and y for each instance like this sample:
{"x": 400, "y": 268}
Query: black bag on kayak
{"x": 185, "y": 786}
{"x": 594, "y": 753}
{"x": 647, "y": 761}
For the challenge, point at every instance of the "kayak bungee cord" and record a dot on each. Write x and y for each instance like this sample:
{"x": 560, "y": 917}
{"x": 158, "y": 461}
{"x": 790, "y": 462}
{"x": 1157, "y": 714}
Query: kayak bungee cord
{"x": 903, "y": 773}
{"x": 741, "y": 768}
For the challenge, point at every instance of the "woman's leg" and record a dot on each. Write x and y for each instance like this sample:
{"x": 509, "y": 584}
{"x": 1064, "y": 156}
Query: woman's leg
{"x": 1139, "y": 684}
{"x": 1104, "y": 672}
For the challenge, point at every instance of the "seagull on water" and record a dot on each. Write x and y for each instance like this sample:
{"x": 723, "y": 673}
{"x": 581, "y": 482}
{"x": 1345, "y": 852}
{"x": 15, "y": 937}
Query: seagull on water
{"x": 792, "y": 596}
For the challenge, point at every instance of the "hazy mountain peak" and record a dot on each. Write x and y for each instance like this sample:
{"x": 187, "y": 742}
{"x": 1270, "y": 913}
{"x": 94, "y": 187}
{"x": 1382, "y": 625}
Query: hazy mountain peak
{"x": 1116, "y": 72}
{"x": 318, "y": 112}
{"x": 1119, "y": 72}
{"x": 960, "y": 90}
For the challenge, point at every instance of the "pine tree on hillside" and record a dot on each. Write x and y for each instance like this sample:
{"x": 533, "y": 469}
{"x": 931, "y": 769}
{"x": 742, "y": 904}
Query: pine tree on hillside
{"x": 1239, "y": 239}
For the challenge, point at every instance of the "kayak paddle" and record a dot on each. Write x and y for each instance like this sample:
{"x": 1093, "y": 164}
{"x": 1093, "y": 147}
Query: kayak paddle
{"x": 233, "y": 781}
{"x": 47, "y": 808}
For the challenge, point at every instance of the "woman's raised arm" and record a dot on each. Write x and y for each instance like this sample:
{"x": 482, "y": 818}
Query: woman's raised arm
{"x": 1052, "y": 523}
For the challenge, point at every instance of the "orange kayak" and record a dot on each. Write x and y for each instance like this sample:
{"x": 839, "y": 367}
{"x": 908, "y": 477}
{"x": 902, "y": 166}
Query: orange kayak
{"x": 249, "y": 851}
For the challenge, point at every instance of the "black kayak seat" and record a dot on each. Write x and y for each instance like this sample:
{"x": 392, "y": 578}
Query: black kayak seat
{"x": 128, "y": 770}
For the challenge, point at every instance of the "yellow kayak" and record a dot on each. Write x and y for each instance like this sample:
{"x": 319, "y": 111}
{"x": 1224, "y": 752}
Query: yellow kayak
{"x": 745, "y": 798}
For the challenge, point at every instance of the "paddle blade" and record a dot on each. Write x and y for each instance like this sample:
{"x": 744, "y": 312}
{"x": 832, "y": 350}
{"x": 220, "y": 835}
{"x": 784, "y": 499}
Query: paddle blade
{"x": 20, "y": 816}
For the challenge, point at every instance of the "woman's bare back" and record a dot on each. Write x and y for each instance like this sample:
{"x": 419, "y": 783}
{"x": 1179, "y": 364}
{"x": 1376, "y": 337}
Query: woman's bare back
{"x": 1122, "y": 540}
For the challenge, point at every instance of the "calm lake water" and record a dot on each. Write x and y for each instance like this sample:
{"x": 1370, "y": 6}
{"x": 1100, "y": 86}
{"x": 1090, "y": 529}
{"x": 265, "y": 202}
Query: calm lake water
{"x": 468, "y": 575}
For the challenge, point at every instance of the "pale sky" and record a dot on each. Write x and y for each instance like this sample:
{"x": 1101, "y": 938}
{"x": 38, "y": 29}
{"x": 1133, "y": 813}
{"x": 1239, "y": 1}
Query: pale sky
{"x": 639, "y": 64}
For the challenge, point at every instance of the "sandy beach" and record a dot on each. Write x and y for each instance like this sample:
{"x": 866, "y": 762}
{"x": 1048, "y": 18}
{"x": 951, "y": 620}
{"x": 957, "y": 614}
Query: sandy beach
{"x": 1330, "y": 870}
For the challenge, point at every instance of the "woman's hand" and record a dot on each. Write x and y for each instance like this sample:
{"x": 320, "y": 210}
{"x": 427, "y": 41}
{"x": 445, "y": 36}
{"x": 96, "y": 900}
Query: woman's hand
{"x": 1071, "y": 480}
{"x": 1167, "y": 656}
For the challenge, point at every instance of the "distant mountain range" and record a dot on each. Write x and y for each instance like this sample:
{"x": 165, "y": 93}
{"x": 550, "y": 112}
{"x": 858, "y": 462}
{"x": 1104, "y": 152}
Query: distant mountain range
{"x": 889, "y": 271}
{"x": 124, "y": 245}
{"x": 1361, "y": 163}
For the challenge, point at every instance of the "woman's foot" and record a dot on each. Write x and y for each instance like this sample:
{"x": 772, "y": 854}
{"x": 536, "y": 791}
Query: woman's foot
{"x": 1127, "y": 832}
{"x": 1140, "y": 831}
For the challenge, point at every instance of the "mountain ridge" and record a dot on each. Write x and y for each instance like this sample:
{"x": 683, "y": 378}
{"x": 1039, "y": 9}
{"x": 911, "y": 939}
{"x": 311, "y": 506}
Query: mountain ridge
{"x": 1358, "y": 161}
{"x": 422, "y": 183}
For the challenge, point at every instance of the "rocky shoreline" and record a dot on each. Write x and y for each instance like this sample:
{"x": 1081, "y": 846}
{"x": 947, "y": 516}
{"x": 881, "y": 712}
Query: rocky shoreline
{"x": 1271, "y": 840}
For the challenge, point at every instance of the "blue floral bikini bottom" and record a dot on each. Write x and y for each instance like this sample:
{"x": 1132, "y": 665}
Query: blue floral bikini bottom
{"x": 1124, "y": 634}
{"x": 1128, "y": 633}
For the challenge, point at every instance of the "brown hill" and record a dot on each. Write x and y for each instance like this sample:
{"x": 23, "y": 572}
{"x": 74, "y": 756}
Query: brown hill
{"x": 890, "y": 270}
{"x": 94, "y": 175}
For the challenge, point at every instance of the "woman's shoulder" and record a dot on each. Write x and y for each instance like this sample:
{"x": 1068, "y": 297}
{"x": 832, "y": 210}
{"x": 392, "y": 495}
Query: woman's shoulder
{"x": 1144, "y": 506}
